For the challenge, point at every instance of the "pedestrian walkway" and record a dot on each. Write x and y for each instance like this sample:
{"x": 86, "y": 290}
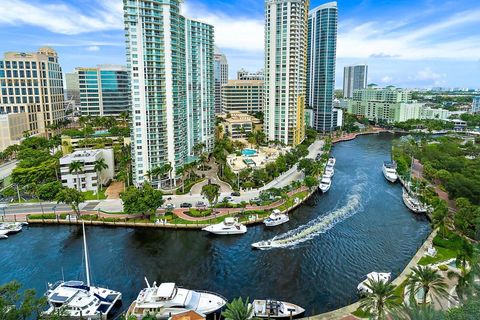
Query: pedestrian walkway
{"x": 114, "y": 189}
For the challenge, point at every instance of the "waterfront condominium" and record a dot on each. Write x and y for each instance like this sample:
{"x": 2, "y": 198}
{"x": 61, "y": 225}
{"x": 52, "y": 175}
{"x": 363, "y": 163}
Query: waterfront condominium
{"x": 221, "y": 78}
{"x": 322, "y": 48}
{"x": 33, "y": 83}
{"x": 476, "y": 105}
{"x": 166, "y": 62}
{"x": 285, "y": 70}
{"x": 103, "y": 91}
{"x": 354, "y": 78}
{"x": 245, "y": 96}
{"x": 200, "y": 84}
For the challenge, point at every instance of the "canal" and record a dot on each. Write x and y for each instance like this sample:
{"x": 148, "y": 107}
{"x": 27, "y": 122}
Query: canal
{"x": 331, "y": 243}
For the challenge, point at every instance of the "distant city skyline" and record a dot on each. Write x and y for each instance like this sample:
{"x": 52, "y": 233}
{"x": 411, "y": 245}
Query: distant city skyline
{"x": 433, "y": 45}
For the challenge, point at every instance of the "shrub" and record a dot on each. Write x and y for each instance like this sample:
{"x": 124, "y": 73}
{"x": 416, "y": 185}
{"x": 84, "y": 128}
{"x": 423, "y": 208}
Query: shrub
{"x": 442, "y": 267}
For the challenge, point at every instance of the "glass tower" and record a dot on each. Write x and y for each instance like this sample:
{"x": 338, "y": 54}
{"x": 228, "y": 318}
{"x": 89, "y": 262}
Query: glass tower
{"x": 221, "y": 78}
{"x": 322, "y": 47}
{"x": 354, "y": 78}
{"x": 285, "y": 70}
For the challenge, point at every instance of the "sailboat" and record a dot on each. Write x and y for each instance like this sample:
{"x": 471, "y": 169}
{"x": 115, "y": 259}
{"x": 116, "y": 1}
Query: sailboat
{"x": 410, "y": 197}
{"x": 79, "y": 300}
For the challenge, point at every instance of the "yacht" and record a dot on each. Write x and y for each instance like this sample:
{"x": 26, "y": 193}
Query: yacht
{"x": 373, "y": 276}
{"x": 167, "y": 300}
{"x": 11, "y": 227}
{"x": 413, "y": 203}
{"x": 276, "y": 218}
{"x": 390, "y": 171}
{"x": 276, "y": 309}
{"x": 325, "y": 184}
{"x": 329, "y": 172}
{"x": 3, "y": 234}
{"x": 227, "y": 226}
{"x": 79, "y": 300}
{"x": 263, "y": 245}
{"x": 331, "y": 162}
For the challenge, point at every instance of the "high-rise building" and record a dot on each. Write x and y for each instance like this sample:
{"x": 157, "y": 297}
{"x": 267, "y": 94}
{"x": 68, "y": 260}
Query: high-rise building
{"x": 354, "y": 78}
{"x": 321, "y": 58}
{"x": 104, "y": 90}
{"x": 245, "y": 96}
{"x": 243, "y": 74}
{"x": 221, "y": 78}
{"x": 12, "y": 128}
{"x": 476, "y": 105}
{"x": 200, "y": 84}
{"x": 285, "y": 69}
{"x": 72, "y": 91}
{"x": 170, "y": 60}
{"x": 33, "y": 83}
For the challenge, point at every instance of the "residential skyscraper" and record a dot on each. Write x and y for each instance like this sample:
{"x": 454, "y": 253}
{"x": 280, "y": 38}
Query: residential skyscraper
{"x": 476, "y": 105}
{"x": 33, "y": 83}
{"x": 354, "y": 78}
{"x": 200, "y": 84}
{"x": 322, "y": 50}
{"x": 244, "y": 96}
{"x": 104, "y": 90}
{"x": 221, "y": 78}
{"x": 170, "y": 59}
{"x": 285, "y": 69}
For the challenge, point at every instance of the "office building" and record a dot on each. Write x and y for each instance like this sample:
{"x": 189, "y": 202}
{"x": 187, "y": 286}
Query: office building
{"x": 87, "y": 178}
{"x": 221, "y": 78}
{"x": 33, "y": 83}
{"x": 12, "y": 128}
{"x": 171, "y": 64}
{"x": 476, "y": 105}
{"x": 354, "y": 78}
{"x": 245, "y": 96}
{"x": 72, "y": 90}
{"x": 104, "y": 90}
{"x": 239, "y": 125}
{"x": 321, "y": 57}
{"x": 285, "y": 70}
{"x": 243, "y": 74}
{"x": 200, "y": 85}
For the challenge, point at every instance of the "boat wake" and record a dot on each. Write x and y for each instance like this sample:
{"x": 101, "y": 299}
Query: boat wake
{"x": 321, "y": 224}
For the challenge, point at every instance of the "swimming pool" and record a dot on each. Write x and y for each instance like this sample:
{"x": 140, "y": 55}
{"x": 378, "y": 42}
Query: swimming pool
{"x": 249, "y": 152}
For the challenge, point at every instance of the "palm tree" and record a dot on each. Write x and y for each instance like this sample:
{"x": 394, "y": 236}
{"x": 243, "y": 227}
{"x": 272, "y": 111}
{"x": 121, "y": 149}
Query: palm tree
{"x": 417, "y": 312}
{"x": 124, "y": 116}
{"x": 428, "y": 280}
{"x": 156, "y": 172}
{"x": 381, "y": 300}
{"x": 99, "y": 165}
{"x": 76, "y": 167}
{"x": 211, "y": 192}
{"x": 238, "y": 310}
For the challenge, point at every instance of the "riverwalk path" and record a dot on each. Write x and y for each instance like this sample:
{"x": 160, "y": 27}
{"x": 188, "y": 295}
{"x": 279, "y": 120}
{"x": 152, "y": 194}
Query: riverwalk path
{"x": 346, "y": 312}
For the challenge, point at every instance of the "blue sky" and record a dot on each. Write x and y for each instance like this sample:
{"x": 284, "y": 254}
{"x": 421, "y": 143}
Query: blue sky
{"x": 422, "y": 43}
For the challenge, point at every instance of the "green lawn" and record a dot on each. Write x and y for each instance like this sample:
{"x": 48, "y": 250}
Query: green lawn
{"x": 442, "y": 255}
{"x": 90, "y": 195}
{"x": 290, "y": 202}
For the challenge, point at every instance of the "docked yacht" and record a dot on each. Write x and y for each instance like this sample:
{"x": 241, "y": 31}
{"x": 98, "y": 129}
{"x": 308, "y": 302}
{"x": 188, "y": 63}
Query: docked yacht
{"x": 331, "y": 162}
{"x": 325, "y": 184}
{"x": 373, "y": 276}
{"x": 11, "y": 227}
{"x": 329, "y": 172}
{"x": 275, "y": 309}
{"x": 77, "y": 300}
{"x": 167, "y": 300}
{"x": 390, "y": 171}
{"x": 227, "y": 226}
{"x": 276, "y": 218}
{"x": 3, "y": 234}
{"x": 413, "y": 203}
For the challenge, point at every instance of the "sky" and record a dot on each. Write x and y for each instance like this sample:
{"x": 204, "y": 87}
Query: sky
{"x": 406, "y": 43}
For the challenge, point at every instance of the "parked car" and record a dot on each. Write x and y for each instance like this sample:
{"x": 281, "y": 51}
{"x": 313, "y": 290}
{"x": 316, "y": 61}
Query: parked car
{"x": 228, "y": 199}
{"x": 201, "y": 204}
{"x": 170, "y": 206}
{"x": 255, "y": 200}
{"x": 236, "y": 194}
{"x": 186, "y": 205}
{"x": 169, "y": 198}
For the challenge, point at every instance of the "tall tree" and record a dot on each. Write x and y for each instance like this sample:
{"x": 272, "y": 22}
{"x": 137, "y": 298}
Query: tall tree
{"x": 145, "y": 200}
{"x": 71, "y": 197}
{"x": 381, "y": 300}
{"x": 99, "y": 165}
{"x": 76, "y": 167}
{"x": 211, "y": 192}
{"x": 428, "y": 280}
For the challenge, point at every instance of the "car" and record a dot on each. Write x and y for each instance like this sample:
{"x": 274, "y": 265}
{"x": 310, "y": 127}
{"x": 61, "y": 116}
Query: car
{"x": 255, "y": 200}
{"x": 186, "y": 205}
{"x": 236, "y": 194}
{"x": 169, "y": 198}
{"x": 200, "y": 204}
{"x": 227, "y": 199}
{"x": 170, "y": 206}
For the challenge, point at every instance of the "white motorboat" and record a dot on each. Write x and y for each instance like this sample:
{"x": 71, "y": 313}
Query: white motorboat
{"x": 3, "y": 234}
{"x": 329, "y": 172}
{"x": 227, "y": 226}
{"x": 276, "y": 309}
{"x": 390, "y": 171}
{"x": 276, "y": 218}
{"x": 331, "y": 162}
{"x": 167, "y": 300}
{"x": 325, "y": 184}
{"x": 262, "y": 245}
{"x": 77, "y": 300}
{"x": 373, "y": 276}
{"x": 11, "y": 227}
{"x": 413, "y": 203}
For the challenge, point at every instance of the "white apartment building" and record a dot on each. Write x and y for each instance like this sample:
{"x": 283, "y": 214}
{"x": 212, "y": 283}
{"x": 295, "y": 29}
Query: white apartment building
{"x": 87, "y": 179}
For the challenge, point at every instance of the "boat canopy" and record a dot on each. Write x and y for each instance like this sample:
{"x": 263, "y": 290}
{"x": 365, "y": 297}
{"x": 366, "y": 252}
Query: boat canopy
{"x": 166, "y": 290}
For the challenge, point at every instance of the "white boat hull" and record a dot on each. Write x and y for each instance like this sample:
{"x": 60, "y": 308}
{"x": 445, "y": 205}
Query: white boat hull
{"x": 262, "y": 309}
{"x": 274, "y": 223}
{"x": 415, "y": 208}
{"x": 231, "y": 231}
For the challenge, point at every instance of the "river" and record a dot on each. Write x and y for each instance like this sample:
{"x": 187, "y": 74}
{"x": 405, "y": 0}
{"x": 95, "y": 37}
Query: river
{"x": 359, "y": 226}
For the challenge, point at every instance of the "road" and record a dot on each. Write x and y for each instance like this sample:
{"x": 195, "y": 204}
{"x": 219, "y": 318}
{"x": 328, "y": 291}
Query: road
{"x": 117, "y": 206}
{"x": 6, "y": 169}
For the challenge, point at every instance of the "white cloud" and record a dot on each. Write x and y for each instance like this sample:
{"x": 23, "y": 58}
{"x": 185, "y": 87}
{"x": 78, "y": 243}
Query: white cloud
{"x": 428, "y": 74}
{"x": 386, "y": 79}
{"x": 93, "y": 48}
{"x": 239, "y": 33}
{"x": 62, "y": 18}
